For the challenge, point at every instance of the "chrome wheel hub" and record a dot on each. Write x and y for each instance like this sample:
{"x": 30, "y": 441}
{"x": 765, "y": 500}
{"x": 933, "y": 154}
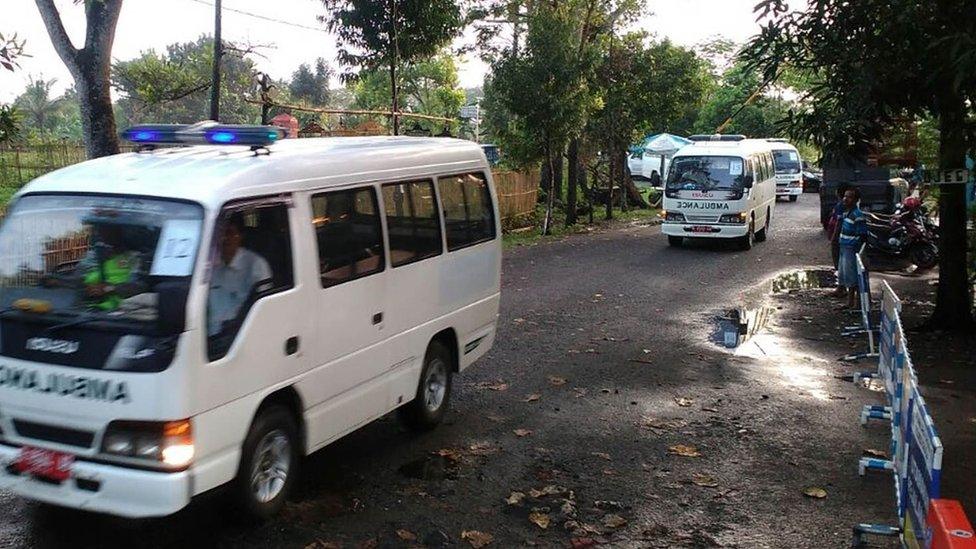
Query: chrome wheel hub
{"x": 435, "y": 385}
{"x": 269, "y": 472}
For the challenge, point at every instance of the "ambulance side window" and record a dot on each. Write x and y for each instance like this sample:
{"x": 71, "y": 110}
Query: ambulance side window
{"x": 251, "y": 259}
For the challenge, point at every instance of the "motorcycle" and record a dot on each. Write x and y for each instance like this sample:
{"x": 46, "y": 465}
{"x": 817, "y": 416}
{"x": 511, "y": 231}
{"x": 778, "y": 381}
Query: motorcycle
{"x": 907, "y": 233}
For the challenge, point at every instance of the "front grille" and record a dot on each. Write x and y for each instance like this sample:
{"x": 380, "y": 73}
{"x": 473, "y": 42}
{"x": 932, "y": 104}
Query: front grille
{"x": 701, "y": 218}
{"x": 50, "y": 433}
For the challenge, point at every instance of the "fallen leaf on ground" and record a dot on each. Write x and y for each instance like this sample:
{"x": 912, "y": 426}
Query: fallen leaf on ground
{"x": 582, "y": 543}
{"x": 522, "y": 432}
{"x": 449, "y": 453}
{"x": 614, "y": 521}
{"x": 580, "y": 391}
{"x": 704, "y": 480}
{"x": 684, "y": 450}
{"x": 610, "y": 472}
{"x": 815, "y": 492}
{"x": 602, "y": 455}
{"x": 875, "y": 453}
{"x": 497, "y": 386}
{"x": 683, "y": 402}
{"x": 481, "y": 449}
{"x": 516, "y": 498}
{"x": 539, "y": 519}
{"x": 557, "y": 381}
{"x": 550, "y": 490}
{"x": 519, "y": 320}
{"x": 707, "y": 409}
{"x": 406, "y": 535}
{"x": 477, "y": 539}
{"x": 640, "y": 361}
{"x": 532, "y": 398}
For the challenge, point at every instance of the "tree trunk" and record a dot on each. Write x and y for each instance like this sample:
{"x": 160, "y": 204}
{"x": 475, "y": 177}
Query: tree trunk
{"x": 572, "y": 181}
{"x": 557, "y": 172}
{"x": 90, "y": 67}
{"x": 953, "y": 305}
{"x": 545, "y": 178}
{"x": 394, "y": 60}
{"x": 97, "y": 116}
{"x": 623, "y": 174}
{"x": 611, "y": 180}
{"x": 547, "y": 222}
{"x": 218, "y": 53}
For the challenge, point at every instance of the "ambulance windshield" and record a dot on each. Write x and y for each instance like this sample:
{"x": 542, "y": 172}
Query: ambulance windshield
{"x": 94, "y": 256}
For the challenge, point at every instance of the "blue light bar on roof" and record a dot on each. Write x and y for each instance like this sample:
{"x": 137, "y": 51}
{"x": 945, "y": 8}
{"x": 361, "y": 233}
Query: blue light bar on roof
{"x": 254, "y": 136}
{"x": 203, "y": 133}
{"x": 149, "y": 134}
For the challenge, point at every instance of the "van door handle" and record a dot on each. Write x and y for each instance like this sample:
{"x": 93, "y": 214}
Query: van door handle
{"x": 291, "y": 345}
{"x": 377, "y": 318}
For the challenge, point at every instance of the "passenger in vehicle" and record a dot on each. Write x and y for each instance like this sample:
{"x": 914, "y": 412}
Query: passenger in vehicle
{"x": 238, "y": 274}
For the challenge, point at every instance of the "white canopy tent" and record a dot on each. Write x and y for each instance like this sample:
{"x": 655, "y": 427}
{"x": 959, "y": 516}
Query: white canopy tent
{"x": 658, "y": 150}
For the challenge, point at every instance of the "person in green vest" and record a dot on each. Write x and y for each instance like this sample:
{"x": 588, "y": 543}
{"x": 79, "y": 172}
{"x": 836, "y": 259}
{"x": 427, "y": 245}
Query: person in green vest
{"x": 113, "y": 273}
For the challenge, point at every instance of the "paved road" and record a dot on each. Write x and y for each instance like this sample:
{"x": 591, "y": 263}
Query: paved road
{"x": 600, "y": 337}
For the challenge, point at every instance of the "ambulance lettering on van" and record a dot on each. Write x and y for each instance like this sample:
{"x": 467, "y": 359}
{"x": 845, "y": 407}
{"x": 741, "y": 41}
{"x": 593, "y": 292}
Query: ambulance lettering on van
{"x": 64, "y": 385}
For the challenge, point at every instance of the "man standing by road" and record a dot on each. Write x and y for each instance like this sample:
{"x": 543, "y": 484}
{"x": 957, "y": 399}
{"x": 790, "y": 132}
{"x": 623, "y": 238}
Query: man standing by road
{"x": 851, "y": 230}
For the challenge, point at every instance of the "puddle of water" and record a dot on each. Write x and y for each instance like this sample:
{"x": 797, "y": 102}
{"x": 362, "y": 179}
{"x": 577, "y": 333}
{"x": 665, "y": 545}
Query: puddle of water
{"x": 430, "y": 468}
{"x": 739, "y": 325}
{"x": 805, "y": 279}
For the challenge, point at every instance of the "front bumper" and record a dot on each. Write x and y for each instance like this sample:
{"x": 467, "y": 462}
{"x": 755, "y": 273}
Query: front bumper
{"x": 672, "y": 228}
{"x": 784, "y": 190}
{"x": 111, "y": 489}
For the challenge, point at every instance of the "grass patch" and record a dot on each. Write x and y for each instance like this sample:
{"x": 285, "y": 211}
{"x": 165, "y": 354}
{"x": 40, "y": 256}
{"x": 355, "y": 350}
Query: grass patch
{"x": 532, "y": 235}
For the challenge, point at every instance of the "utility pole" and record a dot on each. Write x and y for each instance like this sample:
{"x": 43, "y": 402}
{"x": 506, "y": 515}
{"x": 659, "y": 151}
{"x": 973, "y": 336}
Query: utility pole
{"x": 394, "y": 61}
{"x": 218, "y": 52}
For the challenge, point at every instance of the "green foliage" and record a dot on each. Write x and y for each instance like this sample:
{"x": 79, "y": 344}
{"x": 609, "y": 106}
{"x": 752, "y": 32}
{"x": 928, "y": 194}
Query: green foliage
{"x": 645, "y": 88}
{"x": 9, "y": 124}
{"x": 428, "y": 86}
{"x": 37, "y": 105}
{"x": 758, "y": 119}
{"x": 10, "y": 51}
{"x": 367, "y": 28}
{"x": 311, "y": 88}
{"x": 538, "y": 97}
{"x": 175, "y": 87}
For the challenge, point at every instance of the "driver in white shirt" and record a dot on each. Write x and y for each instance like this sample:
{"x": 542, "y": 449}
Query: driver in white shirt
{"x": 236, "y": 274}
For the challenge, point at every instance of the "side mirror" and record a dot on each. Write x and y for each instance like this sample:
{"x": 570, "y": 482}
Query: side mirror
{"x": 171, "y": 306}
{"x": 747, "y": 182}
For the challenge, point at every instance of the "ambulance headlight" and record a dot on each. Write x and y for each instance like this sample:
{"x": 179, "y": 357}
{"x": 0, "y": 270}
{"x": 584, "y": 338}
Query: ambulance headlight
{"x": 168, "y": 444}
{"x": 733, "y": 218}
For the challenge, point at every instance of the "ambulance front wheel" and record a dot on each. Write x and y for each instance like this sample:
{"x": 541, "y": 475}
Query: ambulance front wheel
{"x": 269, "y": 463}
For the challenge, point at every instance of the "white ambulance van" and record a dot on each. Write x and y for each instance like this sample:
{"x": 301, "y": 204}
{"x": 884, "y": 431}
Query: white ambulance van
{"x": 720, "y": 186}
{"x": 176, "y": 319}
{"x": 789, "y": 169}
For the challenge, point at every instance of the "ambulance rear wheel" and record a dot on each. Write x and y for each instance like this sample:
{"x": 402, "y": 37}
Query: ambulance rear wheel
{"x": 675, "y": 241}
{"x": 269, "y": 463}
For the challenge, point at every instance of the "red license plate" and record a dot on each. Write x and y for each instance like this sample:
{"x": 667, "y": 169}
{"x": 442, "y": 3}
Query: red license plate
{"x": 45, "y": 463}
{"x": 701, "y": 229}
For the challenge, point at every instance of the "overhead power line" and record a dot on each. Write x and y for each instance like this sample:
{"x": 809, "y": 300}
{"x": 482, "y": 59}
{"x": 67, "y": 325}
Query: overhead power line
{"x": 265, "y": 17}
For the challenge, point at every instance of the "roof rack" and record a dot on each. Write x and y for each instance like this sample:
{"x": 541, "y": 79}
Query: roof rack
{"x": 717, "y": 137}
{"x": 148, "y": 136}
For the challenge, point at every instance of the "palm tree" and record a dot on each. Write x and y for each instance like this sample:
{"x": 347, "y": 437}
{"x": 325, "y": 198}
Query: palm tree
{"x": 36, "y": 104}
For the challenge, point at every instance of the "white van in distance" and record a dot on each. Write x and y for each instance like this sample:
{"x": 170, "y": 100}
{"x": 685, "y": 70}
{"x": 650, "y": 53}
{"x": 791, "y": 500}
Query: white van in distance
{"x": 177, "y": 319}
{"x": 720, "y": 186}
{"x": 789, "y": 169}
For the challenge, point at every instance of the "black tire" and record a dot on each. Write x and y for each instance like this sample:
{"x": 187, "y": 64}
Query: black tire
{"x": 924, "y": 256}
{"x": 794, "y": 198}
{"x": 270, "y": 423}
{"x": 762, "y": 235}
{"x": 422, "y": 413}
{"x": 746, "y": 242}
{"x": 675, "y": 241}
